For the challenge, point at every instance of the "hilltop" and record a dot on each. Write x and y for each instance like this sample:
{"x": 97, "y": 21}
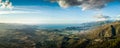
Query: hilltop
{"x": 105, "y": 31}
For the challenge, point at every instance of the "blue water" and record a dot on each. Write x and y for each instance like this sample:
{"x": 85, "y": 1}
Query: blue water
{"x": 56, "y": 26}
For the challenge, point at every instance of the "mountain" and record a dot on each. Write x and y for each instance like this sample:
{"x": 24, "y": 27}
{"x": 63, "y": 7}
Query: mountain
{"x": 105, "y": 36}
{"x": 79, "y": 26}
{"x": 88, "y": 25}
{"x": 106, "y": 30}
{"x": 26, "y": 36}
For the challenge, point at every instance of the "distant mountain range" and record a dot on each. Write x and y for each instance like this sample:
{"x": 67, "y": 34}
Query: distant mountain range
{"x": 89, "y": 25}
{"x": 86, "y": 25}
{"x": 82, "y": 26}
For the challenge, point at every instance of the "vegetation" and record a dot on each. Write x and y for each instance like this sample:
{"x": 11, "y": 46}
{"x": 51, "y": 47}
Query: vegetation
{"x": 105, "y": 36}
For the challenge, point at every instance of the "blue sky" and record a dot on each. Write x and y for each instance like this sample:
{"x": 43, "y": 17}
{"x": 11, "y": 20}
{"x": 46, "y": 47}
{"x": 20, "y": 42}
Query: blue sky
{"x": 45, "y": 12}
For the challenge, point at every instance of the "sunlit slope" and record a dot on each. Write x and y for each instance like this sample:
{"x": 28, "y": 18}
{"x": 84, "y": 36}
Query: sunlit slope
{"x": 107, "y": 30}
{"x": 105, "y": 36}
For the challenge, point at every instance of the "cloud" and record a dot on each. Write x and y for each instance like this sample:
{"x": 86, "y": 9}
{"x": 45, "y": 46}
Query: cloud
{"x": 117, "y": 18}
{"x": 13, "y": 12}
{"x": 6, "y": 4}
{"x": 84, "y": 4}
{"x": 20, "y": 10}
{"x": 100, "y": 17}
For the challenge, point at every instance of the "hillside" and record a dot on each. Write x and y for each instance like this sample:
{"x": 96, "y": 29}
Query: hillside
{"x": 107, "y": 30}
{"x": 104, "y": 36}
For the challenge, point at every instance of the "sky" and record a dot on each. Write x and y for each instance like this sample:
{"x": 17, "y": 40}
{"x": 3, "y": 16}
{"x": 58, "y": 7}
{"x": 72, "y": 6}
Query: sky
{"x": 48, "y": 12}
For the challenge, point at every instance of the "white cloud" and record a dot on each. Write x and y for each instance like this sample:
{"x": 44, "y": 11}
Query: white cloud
{"x": 100, "y": 17}
{"x": 14, "y": 12}
{"x": 19, "y": 10}
{"x": 6, "y": 4}
{"x": 84, "y": 4}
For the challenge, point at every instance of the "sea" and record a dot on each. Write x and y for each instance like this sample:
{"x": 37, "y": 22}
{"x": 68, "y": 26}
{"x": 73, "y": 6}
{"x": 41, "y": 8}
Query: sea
{"x": 57, "y": 26}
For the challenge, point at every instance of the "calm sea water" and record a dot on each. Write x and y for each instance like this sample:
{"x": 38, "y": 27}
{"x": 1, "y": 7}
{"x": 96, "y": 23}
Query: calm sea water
{"x": 56, "y": 26}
